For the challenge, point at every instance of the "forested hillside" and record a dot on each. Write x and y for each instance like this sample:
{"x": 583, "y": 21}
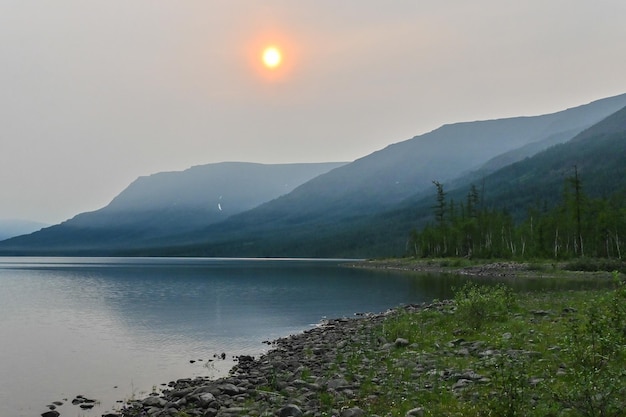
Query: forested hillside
{"x": 528, "y": 208}
{"x": 335, "y": 214}
{"x": 565, "y": 202}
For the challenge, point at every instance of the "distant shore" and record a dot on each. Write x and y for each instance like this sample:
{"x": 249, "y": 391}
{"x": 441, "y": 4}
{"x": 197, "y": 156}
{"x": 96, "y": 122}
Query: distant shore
{"x": 477, "y": 268}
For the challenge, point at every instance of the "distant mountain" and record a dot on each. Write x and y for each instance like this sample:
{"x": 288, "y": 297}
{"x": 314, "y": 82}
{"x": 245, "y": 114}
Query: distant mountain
{"x": 364, "y": 208}
{"x": 333, "y": 202}
{"x": 169, "y": 203}
{"x": 16, "y": 227}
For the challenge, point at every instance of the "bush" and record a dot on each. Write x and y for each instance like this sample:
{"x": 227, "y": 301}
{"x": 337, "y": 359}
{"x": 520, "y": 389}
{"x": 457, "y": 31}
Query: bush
{"x": 476, "y": 305}
{"x": 595, "y": 348}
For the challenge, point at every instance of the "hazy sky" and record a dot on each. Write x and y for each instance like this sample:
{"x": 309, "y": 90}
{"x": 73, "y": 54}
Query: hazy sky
{"x": 95, "y": 93}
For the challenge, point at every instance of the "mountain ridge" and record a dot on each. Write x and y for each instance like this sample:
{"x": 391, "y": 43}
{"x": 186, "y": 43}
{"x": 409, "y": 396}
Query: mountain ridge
{"x": 348, "y": 196}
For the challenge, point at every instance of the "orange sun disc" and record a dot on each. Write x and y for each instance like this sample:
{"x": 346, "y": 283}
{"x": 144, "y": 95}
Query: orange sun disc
{"x": 271, "y": 57}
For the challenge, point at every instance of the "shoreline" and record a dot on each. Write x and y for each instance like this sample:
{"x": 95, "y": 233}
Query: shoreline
{"x": 416, "y": 360}
{"x": 284, "y": 380}
{"x": 289, "y": 379}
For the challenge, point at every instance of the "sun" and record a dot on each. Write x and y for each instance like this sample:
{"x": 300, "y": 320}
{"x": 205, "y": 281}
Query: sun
{"x": 271, "y": 57}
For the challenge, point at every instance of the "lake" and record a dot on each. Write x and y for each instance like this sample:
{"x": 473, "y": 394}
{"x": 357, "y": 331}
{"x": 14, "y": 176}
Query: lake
{"x": 112, "y": 328}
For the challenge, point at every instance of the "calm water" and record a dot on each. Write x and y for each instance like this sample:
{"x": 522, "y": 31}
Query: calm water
{"x": 111, "y": 328}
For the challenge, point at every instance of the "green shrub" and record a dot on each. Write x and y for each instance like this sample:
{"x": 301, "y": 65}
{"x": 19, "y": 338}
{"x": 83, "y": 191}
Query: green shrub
{"x": 595, "y": 349}
{"x": 476, "y": 305}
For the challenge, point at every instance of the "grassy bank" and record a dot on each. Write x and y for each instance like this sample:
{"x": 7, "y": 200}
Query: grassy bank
{"x": 495, "y": 353}
{"x": 573, "y": 268}
{"x": 489, "y": 352}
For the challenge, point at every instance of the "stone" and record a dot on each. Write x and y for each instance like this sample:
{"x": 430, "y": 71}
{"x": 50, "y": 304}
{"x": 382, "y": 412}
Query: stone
{"x": 455, "y": 342}
{"x": 337, "y": 383}
{"x": 181, "y": 393}
{"x": 415, "y": 412}
{"x": 51, "y": 413}
{"x": 352, "y": 412}
{"x": 462, "y": 352}
{"x": 461, "y": 383}
{"x": 233, "y": 410}
{"x": 290, "y": 410}
{"x": 205, "y": 399}
{"x": 245, "y": 358}
{"x": 154, "y": 402}
{"x": 229, "y": 389}
{"x": 535, "y": 381}
{"x": 540, "y": 313}
{"x": 401, "y": 342}
{"x": 210, "y": 412}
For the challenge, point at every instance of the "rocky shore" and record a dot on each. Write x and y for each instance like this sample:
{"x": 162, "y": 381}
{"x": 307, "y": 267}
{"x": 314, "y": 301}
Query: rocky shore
{"x": 321, "y": 372}
{"x": 494, "y": 269}
{"x": 293, "y": 378}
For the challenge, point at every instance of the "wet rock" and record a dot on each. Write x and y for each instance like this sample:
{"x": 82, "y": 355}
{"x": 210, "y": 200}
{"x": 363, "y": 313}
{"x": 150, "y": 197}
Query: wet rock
{"x": 154, "y": 402}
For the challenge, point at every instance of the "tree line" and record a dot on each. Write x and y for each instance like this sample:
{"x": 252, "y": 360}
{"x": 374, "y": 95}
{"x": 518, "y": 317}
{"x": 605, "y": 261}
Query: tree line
{"x": 577, "y": 226}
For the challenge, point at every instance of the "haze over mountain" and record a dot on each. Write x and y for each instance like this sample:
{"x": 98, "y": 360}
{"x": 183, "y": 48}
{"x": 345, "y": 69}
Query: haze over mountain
{"x": 534, "y": 182}
{"x": 384, "y": 179}
{"x": 16, "y": 227}
{"x": 174, "y": 202}
{"x": 358, "y": 209}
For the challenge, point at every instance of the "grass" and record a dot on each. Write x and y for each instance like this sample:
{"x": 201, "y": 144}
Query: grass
{"x": 542, "y": 354}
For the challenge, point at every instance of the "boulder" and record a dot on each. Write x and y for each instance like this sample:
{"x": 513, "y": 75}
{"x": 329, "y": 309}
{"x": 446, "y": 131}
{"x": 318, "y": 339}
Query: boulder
{"x": 205, "y": 399}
